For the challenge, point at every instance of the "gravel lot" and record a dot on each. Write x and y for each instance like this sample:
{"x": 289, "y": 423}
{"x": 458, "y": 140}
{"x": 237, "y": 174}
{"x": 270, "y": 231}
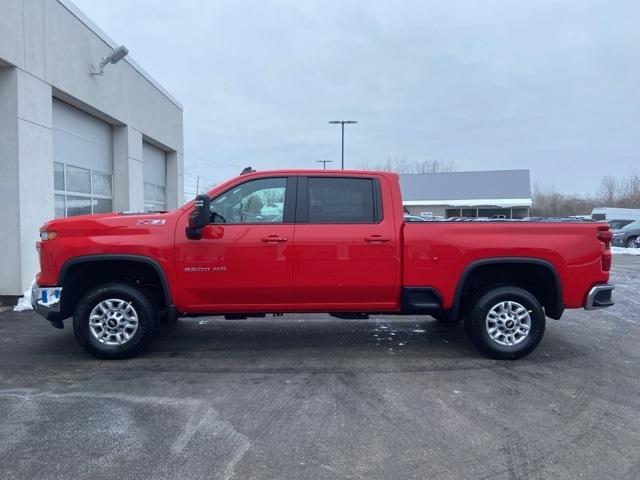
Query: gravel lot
{"x": 320, "y": 398}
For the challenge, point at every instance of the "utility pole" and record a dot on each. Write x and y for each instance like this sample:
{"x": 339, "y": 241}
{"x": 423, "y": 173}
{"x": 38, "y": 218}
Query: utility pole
{"x": 324, "y": 163}
{"x": 198, "y": 185}
{"x": 342, "y": 123}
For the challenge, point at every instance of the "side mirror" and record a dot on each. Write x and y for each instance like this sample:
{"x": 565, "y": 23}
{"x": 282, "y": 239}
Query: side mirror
{"x": 199, "y": 218}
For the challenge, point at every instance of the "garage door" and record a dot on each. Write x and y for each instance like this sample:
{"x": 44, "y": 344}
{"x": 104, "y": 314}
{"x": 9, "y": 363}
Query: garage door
{"x": 155, "y": 177}
{"x": 83, "y": 162}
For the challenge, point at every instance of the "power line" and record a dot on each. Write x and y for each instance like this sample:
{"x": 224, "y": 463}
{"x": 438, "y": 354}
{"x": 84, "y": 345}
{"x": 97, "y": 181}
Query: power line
{"x": 212, "y": 162}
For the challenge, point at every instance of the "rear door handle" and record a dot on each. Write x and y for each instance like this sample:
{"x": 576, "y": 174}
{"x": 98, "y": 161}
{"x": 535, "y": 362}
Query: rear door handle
{"x": 377, "y": 239}
{"x": 274, "y": 239}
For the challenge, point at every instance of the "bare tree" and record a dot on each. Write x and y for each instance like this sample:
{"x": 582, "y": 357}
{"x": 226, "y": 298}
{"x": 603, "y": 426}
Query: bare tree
{"x": 608, "y": 190}
{"x": 547, "y": 201}
{"x": 402, "y": 165}
{"x": 630, "y": 197}
{"x": 613, "y": 192}
{"x": 434, "y": 166}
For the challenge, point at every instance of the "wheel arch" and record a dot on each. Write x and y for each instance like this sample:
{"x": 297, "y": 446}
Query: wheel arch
{"x": 73, "y": 269}
{"x": 501, "y": 268}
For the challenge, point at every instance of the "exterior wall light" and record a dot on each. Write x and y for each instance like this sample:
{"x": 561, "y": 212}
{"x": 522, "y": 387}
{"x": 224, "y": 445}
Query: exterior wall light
{"x": 114, "y": 57}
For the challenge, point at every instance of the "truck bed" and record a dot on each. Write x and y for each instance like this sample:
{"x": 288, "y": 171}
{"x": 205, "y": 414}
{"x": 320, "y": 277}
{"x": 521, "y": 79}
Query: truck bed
{"x": 438, "y": 253}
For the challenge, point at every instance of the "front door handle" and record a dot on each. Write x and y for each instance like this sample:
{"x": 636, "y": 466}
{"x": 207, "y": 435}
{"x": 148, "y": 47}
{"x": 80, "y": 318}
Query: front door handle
{"x": 274, "y": 239}
{"x": 377, "y": 239}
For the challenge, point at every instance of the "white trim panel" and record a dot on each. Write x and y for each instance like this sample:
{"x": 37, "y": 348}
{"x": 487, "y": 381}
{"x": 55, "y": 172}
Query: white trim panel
{"x": 474, "y": 202}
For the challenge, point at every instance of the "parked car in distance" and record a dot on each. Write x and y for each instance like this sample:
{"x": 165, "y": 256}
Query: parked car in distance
{"x": 296, "y": 241}
{"x": 414, "y": 218}
{"x": 613, "y": 213}
{"x": 627, "y": 236}
{"x": 543, "y": 219}
{"x": 459, "y": 219}
{"x": 573, "y": 219}
{"x": 618, "y": 224}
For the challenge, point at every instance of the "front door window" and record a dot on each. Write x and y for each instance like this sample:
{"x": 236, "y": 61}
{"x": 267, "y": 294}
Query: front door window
{"x": 256, "y": 201}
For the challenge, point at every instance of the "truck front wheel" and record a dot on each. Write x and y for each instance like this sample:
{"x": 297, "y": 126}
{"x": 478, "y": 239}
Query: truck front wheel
{"x": 506, "y": 323}
{"x": 114, "y": 321}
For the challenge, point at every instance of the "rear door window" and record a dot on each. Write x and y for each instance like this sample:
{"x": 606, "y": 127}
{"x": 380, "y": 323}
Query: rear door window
{"x": 342, "y": 200}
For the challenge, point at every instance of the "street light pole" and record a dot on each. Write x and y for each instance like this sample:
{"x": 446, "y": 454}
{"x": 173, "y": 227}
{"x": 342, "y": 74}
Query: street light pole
{"x": 324, "y": 163}
{"x": 342, "y": 123}
{"x": 342, "y": 146}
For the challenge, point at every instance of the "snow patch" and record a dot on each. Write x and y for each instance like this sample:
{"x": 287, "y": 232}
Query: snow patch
{"x": 24, "y": 302}
{"x": 625, "y": 251}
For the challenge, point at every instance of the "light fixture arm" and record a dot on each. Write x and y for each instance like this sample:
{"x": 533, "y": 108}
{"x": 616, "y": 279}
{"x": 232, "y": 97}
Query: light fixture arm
{"x": 100, "y": 71}
{"x": 114, "y": 57}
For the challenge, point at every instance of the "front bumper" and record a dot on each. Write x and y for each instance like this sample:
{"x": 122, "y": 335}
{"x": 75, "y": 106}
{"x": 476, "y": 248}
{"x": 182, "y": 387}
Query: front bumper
{"x": 46, "y": 301}
{"x": 599, "y": 297}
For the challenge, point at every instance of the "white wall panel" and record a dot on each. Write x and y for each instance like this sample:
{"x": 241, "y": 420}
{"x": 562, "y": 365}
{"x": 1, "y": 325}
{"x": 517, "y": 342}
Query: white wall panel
{"x": 81, "y": 139}
{"x": 94, "y": 122}
{"x": 155, "y": 164}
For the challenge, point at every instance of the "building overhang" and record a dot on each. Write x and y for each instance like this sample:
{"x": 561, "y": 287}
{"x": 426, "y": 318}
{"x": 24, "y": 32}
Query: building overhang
{"x": 472, "y": 203}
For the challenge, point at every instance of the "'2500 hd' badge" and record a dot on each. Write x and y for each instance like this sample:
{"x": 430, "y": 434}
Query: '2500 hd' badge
{"x": 205, "y": 269}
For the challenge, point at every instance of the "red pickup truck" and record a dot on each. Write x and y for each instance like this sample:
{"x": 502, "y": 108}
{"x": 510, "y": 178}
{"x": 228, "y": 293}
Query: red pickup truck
{"x": 314, "y": 241}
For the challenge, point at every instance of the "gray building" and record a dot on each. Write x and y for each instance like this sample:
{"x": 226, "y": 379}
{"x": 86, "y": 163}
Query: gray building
{"x": 467, "y": 194}
{"x": 71, "y": 142}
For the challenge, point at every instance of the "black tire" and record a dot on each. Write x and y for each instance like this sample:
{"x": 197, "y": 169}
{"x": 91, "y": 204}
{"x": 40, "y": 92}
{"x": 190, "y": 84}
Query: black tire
{"x": 631, "y": 242}
{"x": 146, "y": 321}
{"x": 475, "y": 323}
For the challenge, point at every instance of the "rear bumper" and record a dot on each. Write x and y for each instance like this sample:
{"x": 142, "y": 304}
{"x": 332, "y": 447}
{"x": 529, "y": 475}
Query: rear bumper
{"x": 599, "y": 297}
{"x": 46, "y": 300}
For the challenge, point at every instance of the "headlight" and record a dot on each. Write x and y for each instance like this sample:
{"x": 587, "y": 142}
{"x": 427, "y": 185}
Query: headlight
{"x": 48, "y": 235}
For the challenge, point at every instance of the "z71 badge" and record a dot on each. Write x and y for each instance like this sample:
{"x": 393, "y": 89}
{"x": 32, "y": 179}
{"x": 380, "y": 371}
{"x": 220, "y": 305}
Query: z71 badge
{"x": 151, "y": 221}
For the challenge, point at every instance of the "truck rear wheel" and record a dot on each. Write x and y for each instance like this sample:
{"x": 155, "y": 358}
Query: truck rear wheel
{"x": 114, "y": 321}
{"x": 506, "y": 323}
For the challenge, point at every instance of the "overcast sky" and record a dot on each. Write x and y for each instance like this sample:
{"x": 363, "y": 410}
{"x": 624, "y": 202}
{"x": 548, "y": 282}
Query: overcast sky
{"x": 546, "y": 85}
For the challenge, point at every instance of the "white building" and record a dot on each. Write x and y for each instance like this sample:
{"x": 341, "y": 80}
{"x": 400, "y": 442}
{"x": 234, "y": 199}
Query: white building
{"x": 71, "y": 142}
{"x": 503, "y": 193}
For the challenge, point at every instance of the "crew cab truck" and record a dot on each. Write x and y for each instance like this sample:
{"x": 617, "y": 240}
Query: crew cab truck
{"x": 314, "y": 241}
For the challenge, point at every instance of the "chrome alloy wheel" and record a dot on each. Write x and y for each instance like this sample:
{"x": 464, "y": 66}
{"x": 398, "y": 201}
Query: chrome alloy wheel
{"x": 508, "y": 323}
{"x": 113, "y": 321}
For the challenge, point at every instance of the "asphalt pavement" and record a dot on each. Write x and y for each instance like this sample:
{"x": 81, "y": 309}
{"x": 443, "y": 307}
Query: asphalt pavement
{"x": 313, "y": 397}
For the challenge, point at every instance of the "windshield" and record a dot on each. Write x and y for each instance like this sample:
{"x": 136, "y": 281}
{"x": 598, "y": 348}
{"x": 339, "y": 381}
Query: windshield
{"x": 632, "y": 226}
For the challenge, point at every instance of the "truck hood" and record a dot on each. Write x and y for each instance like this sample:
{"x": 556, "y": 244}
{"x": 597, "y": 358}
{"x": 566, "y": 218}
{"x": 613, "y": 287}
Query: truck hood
{"x": 105, "y": 223}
